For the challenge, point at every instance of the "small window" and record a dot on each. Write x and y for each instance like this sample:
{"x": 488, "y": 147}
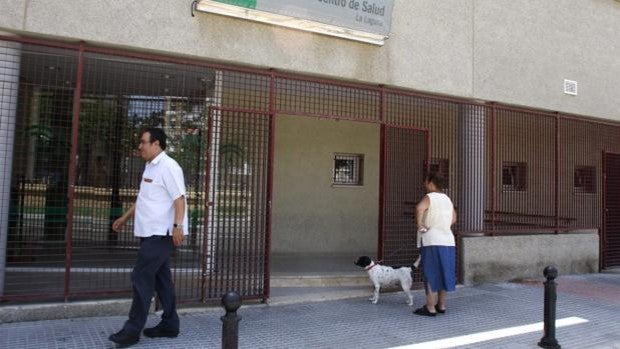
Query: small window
{"x": 514, "y": 176}
{"x": 442, "y": 168}
{"x": 585, "y": 179}
{"x": 348, "y": 169}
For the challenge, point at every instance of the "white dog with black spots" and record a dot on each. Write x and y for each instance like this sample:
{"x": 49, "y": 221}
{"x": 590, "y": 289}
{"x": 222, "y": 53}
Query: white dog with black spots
{"x": 383, "y": 276}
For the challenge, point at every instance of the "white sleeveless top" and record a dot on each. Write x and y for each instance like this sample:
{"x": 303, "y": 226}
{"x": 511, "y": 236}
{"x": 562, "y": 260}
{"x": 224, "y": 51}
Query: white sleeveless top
{"x": 438, "y": 219}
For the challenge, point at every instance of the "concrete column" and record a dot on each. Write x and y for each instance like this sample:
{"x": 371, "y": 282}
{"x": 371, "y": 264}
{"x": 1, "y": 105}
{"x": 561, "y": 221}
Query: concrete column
{"x": 471, "y": 196}
{"x": 10, "y": 58}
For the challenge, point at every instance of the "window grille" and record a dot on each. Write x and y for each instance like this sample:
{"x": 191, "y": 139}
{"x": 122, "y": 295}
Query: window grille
{"x": 442, "y": 168}
{"x": 585, "y": 179}
{"x": 514, "y": 176}
{"x": 348, "y": 169}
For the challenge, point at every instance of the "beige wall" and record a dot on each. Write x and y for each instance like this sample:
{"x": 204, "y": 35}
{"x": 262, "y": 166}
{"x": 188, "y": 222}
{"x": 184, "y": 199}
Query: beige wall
{"x": 523, "y": 51}
{"x": 515, "y": 52}
{"x": 309, "y": 214}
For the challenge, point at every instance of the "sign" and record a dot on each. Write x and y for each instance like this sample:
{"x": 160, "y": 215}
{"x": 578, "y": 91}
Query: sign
{"x": 362, "y": 20}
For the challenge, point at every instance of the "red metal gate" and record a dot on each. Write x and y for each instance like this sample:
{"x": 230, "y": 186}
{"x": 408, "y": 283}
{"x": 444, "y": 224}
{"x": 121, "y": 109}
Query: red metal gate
{"x": 404, "y": 163}
{"x": 77, "y": 110}
{"x": 238, "y": 187}
{"x": 611, "y": 232}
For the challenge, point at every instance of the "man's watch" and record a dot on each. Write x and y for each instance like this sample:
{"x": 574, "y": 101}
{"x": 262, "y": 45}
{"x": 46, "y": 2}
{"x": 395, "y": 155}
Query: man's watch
{"x": 179, "y": 225}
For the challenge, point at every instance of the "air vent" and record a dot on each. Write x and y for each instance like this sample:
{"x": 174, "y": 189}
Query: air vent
{"x": 570, "y": 87}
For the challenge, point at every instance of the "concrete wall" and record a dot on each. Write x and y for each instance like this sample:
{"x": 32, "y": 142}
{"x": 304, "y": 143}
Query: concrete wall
{"x": 516, "y": 52}
{"x": 523, "y": 51}
{"x": 310, "y": 215}
{"x": 503, "y": 258}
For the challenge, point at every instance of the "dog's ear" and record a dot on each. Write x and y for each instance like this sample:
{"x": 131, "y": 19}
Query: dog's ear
{"x": 363, "y": 261}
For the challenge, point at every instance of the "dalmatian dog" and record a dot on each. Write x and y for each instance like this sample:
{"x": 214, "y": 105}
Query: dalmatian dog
{"x": 381, "y": 275}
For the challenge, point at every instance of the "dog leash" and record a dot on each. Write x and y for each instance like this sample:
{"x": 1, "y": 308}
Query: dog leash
{"x": 389, "y": 255}
{"x": 398, "y": 250}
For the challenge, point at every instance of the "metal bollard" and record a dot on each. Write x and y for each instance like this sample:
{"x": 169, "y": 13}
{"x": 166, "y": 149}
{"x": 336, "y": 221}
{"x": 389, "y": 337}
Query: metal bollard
{"x": 548, "y": 340}
{"x": 230, "y": 328}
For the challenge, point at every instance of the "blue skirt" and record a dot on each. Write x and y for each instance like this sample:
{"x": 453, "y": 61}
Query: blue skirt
{"x": 439, "y": 267}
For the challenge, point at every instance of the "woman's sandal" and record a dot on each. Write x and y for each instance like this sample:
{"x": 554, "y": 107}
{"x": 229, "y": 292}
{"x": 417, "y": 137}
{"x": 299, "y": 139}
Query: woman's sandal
{"x": 439, "y": 310}
{"x": 423, "y": 311}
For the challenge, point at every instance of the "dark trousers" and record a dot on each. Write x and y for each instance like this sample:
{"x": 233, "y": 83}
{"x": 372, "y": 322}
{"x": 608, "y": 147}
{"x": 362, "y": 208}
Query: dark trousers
{"x": 152, "y": 273}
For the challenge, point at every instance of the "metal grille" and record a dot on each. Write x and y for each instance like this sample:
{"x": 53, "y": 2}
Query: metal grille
{"x": 611, "y": 236}
{"x": 440, "y": 118}
{"x": 247, "y": 91}
{"x": 323, "y": 99}
{"x": 120, "y": 97}
{"x": 524, "y": 171}
{"x": 238, "y": 187}
{"x": 348, "y": 169}
{"x": 405, "y": 157}
{"x": 580, "y": 171}
{"x": 70, "y": 118}
{"x": 458, "y": 134}
{"x": 42, "y": 81}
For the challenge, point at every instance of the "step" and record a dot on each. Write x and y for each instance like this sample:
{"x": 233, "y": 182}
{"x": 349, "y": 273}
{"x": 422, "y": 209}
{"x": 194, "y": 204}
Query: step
{"x": 315, "y": 280}
{"x": 294, "y": 295}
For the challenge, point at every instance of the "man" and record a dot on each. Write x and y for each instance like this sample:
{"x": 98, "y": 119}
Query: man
{"x": 160, "y": 221}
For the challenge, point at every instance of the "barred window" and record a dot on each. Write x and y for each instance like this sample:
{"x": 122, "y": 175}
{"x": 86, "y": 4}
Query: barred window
{"x": 442, "y": 168}
{"x": 348, "y": 169}
{"x": 585, "y": 179}
{"x": 514, "y": 176}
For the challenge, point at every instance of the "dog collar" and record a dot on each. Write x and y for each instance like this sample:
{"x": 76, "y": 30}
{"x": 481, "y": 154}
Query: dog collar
{"x": 370, "y": 267}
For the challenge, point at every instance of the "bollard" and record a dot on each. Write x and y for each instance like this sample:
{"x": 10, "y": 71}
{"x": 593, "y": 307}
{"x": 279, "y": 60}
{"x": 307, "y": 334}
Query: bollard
{"x": 548, "y": 340}
{"x": 230, "y": 328}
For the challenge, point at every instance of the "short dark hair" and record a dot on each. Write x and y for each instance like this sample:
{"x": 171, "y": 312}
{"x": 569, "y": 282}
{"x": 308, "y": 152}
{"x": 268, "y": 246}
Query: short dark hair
{"x": 436, "y": 179}
{"x": 157, "y": 134}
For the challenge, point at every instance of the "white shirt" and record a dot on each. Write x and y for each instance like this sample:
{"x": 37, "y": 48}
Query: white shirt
{"x": 438, "y": 220}
{"x": 162, "y": 183}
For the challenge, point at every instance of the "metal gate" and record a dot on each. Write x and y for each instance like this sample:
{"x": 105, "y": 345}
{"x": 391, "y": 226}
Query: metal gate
{"x": 611, "y": 212}
{"x": 238, "y": 204}
{"x": 404, "y": 163}
{"x": 69, "y": 167}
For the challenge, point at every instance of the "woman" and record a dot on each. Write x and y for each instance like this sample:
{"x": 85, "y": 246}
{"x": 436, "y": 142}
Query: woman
{"x": 434, "y": 215}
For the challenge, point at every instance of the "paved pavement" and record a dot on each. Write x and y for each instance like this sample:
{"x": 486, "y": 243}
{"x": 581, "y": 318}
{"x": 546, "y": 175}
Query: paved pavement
{"x": 355, "y": 323}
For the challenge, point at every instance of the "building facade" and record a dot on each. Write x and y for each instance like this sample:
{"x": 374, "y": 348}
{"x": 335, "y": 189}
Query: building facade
{"x": 302, "y": 144}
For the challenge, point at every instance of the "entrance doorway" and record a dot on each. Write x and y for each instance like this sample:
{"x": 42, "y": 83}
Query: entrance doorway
{"x": 325, "y": 216}
{"x": 325, "y": 198}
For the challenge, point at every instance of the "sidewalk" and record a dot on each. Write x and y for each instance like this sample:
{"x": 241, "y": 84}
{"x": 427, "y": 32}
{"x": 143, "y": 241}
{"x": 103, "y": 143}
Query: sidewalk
{"x": 355, "y": 323}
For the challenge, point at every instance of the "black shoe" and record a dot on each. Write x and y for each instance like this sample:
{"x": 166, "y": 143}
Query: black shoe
{"x": 423, "y": 311}
{"x": 160, "y": 331}
{"x": 124, "y": 339}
